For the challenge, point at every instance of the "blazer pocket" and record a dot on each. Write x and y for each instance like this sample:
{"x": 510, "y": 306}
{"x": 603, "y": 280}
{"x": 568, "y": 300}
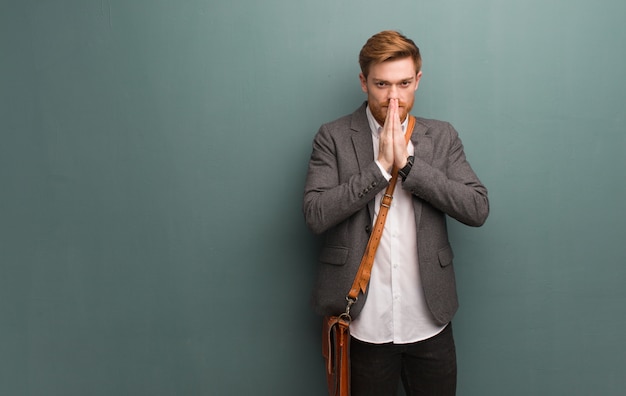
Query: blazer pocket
{"x": 445, "y": 256}
{"x": 334, "y": 255}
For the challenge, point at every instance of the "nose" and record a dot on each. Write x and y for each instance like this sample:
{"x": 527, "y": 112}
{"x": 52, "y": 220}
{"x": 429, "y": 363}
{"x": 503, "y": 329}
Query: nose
{"x": 393, "y": 92}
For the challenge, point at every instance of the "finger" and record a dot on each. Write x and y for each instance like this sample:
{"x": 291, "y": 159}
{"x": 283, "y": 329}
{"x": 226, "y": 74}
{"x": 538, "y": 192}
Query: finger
{"x": 389, "y": 118}
{"x": 393, "y": 106}
{"x": 397, "y": 115}
{"x": 393, "y": 113}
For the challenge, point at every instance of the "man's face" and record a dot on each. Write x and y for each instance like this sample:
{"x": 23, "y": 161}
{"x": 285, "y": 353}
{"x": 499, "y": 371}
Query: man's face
{"x": 394, "y": 79}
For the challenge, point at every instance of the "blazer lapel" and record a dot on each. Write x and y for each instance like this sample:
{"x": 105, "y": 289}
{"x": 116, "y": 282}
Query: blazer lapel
{"x": 423, "y": 144}
{"x": 362, "y": 142}
{"x": 362, "y": 137}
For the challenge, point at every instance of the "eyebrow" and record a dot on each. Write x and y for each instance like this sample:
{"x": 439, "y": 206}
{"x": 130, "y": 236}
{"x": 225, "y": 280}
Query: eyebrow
{"x": 378, "y": 80}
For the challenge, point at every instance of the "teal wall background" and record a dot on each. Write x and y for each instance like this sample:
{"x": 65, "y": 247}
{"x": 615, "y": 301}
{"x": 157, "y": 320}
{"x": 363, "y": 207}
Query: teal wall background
{"x": 152, "y": 160}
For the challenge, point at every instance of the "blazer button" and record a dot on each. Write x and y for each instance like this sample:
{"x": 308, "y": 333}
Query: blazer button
{"x": 368, "y": 228}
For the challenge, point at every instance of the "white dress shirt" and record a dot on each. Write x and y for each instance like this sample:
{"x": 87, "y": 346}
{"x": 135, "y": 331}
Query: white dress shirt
{"x": 395, "y": 309}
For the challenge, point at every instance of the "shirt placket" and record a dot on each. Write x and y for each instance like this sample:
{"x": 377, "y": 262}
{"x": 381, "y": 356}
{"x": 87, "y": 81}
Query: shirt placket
{"x": 394, "y": 263}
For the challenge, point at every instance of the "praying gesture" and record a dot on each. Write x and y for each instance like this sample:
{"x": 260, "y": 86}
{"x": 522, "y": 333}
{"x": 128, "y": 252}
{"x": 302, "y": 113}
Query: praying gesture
{"x": 392, "y": 146}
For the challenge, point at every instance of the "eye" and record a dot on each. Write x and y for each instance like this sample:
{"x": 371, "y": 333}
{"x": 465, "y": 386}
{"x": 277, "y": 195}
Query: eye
{"x": 405, "y": 83}
{"x": 381, "y": 84}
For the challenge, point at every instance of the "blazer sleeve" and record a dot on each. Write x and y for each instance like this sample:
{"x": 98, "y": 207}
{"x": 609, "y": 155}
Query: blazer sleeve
{"x": 336, "y": 186}
{"x": 446, "y": 180}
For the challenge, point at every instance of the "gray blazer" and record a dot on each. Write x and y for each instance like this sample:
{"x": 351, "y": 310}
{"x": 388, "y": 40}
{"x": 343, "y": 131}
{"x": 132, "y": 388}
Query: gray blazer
{"x": 342, "y": 182}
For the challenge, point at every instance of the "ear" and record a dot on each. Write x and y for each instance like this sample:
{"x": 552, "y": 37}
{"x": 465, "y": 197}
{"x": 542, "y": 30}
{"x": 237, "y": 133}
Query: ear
{"x": 417, "y": 79}
{"x": 363, "y": 82}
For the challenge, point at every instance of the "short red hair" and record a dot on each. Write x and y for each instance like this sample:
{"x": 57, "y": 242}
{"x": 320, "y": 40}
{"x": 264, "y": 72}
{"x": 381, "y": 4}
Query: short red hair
{"x": 388, "y": 45}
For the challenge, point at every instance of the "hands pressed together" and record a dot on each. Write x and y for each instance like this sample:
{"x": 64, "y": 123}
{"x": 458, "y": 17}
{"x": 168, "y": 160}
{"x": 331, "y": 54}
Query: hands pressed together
{"x": 392, "y": 147}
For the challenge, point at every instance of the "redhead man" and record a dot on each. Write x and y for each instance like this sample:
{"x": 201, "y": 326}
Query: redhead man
{"x": 401, "y": 328}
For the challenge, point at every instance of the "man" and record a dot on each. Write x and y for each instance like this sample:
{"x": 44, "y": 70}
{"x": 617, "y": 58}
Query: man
{"x": 401, "y": 327}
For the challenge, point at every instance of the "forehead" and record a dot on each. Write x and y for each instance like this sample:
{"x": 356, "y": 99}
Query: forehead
{"x": 397, "y": 69}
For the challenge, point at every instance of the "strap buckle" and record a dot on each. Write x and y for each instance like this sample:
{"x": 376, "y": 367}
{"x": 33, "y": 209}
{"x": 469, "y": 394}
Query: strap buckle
{"x": 350, "y": 301}
{"x": 386, "y": 201}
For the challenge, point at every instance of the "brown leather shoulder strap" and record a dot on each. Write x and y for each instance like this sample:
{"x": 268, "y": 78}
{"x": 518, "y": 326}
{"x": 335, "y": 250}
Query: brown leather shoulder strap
{"x": 364, "y": 273}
